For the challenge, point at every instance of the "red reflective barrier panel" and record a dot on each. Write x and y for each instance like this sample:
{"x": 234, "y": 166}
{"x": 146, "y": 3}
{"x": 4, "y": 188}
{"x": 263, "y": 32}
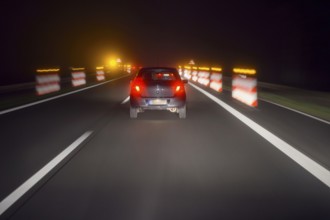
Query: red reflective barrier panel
{"x": 100, "y": 75}
{"x": 47, "y": 81}
{"x": 244, "y": 89}
{"x": 78, "y": 78}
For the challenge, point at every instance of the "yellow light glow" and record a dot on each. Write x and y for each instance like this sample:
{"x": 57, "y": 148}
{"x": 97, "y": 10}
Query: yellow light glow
{"x": 194, "y": 67}
{"x": 47, "y": 70}
{"x": 99, "y": 67}
{"x": 77, "y": 68}
{"x": 113, "y": 63}
{"x": 245, "y": 71}
{"x": 204, "y": 68}
{"x": 187, "y": 67}
{"x": 218, "y": 69}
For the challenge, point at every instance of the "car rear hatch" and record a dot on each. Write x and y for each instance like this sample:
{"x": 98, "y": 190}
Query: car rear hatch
{"x": 158, "y": 89}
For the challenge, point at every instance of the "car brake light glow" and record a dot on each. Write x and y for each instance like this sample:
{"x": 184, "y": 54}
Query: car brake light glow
{"x": 178, "y": 89}
{"x": 137, "y": 87}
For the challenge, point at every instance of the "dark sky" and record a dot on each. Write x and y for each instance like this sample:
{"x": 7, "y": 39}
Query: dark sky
{"x": 261, "y": 34}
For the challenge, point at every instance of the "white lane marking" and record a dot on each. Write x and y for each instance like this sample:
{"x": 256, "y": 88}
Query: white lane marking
{"x": 307, "y": 163}
{"x": 7, "y": 202}
{"x": 305, "y": 114}
{"x": 125, "y": 100}
{"x": 291, "y": 109}
{"x": 56, "y": 97}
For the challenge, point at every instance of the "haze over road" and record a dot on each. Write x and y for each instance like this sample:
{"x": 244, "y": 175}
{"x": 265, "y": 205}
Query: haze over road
{"x": 208, "y": 166}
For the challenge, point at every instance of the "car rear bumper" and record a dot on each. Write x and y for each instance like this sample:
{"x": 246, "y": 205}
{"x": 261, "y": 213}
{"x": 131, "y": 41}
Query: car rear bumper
{"x": 145, "y": 103}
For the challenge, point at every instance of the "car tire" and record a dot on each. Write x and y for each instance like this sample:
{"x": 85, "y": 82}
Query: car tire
{"x": 133, "y": 112}
{"x": 182, "y": 112}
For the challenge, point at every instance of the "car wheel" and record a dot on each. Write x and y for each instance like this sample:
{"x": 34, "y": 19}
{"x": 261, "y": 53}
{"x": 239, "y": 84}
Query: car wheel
{"x": 182, "y": 112}
{"x": 133, "y": 112}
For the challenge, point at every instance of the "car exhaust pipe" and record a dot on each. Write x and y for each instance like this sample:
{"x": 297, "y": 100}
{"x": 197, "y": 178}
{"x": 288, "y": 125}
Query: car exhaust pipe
{"x": 172, "y": 109}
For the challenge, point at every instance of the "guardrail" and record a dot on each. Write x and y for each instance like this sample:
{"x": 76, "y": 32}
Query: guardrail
{"x": 17, "y": 87}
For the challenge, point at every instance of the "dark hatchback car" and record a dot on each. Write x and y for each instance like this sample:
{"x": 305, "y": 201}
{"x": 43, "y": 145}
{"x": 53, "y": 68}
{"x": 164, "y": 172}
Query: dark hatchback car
{"x": 158, "y": 88}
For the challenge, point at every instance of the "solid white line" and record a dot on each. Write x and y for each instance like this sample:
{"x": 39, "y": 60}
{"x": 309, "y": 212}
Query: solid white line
{"x": 294, "y": 110}
{"x": 307, "y": 163}
{"x": 56, "y": 97}
{"x": 28, "y": 184}
{"x": 305, "y": 114}
{"x": 125, "y": 100}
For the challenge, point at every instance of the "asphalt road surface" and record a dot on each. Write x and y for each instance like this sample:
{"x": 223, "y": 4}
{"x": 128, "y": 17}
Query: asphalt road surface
{"x": 159, "y": 167}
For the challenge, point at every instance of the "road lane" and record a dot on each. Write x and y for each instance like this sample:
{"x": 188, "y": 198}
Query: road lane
{"x": 31, "y": 137}
{"x": 33, "y": 181}
{"x": 209, "y": 166}
{"x": 308, "y": 135}
{"x": 320, "y": 172}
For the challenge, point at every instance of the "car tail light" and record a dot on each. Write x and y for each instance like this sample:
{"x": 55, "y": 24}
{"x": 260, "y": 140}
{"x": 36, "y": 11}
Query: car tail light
{"x": 179, "y": 89}
{"x": 136, "y": 87}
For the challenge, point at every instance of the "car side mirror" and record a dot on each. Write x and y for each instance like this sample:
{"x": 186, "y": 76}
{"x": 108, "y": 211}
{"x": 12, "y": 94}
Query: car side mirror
{"x": 185, "y": 81}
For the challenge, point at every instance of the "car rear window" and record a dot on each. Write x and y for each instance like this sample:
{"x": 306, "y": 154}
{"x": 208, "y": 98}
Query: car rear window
{"x": 159, "y": 75}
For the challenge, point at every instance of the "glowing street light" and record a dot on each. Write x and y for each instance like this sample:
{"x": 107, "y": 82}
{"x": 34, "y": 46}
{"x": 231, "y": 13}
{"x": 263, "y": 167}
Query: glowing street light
{"x": 112, "y": 63}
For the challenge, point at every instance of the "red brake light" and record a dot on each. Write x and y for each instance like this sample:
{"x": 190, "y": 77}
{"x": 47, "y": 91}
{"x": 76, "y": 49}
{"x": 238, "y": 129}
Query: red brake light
{"x": 178, "y": 88}
{"x": 136, "y": 87}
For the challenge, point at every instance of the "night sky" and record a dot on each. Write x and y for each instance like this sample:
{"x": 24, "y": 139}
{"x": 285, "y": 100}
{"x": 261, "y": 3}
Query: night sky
{"x": 287, "y": 41}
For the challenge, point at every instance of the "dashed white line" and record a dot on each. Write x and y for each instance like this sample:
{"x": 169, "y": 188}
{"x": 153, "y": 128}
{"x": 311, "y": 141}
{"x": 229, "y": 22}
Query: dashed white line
{"x": 307, "y": 163}
{"x": 32, "y": 181}
{"x": 56, "y": 97}
{"x": 125, "y": 100}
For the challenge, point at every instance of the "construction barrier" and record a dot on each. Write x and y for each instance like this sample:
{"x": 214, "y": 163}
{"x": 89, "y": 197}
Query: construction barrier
{"x": 180, "y": 71}
{"x": 100, "y": 74}
{"x": 194, "y": 74}
{"x": 129, "y": 68}
{"x": 47, "y": 81}
{"x": 204, "y": 76}
{"x": 216, "y": 79}
{"x": 244, "y": 86}
{"x": 78, "y": 76}
{"x": 187, "y": 72}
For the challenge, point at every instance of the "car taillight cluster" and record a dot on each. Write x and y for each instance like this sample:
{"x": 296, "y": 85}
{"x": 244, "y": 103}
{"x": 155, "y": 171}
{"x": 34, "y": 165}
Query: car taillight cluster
{"x": 136, "y": 87}
{"x": 179, "y": 89}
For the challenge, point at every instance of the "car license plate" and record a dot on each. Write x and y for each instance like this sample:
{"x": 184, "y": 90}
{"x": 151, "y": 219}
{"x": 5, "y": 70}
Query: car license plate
{"x": 157, "y": 102}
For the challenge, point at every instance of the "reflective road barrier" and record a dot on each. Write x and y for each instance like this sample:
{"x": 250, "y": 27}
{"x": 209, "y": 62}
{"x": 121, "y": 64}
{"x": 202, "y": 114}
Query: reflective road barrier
{"x": 48, "y": 81}
{"x": 78, "y": 76}
{"x": 100, "y": 74}
{"x": 216, "y": 79}
{"x": 244, "y": 86}
{"x": 204, "y": 76}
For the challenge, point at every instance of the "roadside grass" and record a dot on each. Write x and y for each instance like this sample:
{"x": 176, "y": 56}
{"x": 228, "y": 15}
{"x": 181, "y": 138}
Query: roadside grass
{"x": 310, "y": 102}
{"x": 301, "y": 103}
